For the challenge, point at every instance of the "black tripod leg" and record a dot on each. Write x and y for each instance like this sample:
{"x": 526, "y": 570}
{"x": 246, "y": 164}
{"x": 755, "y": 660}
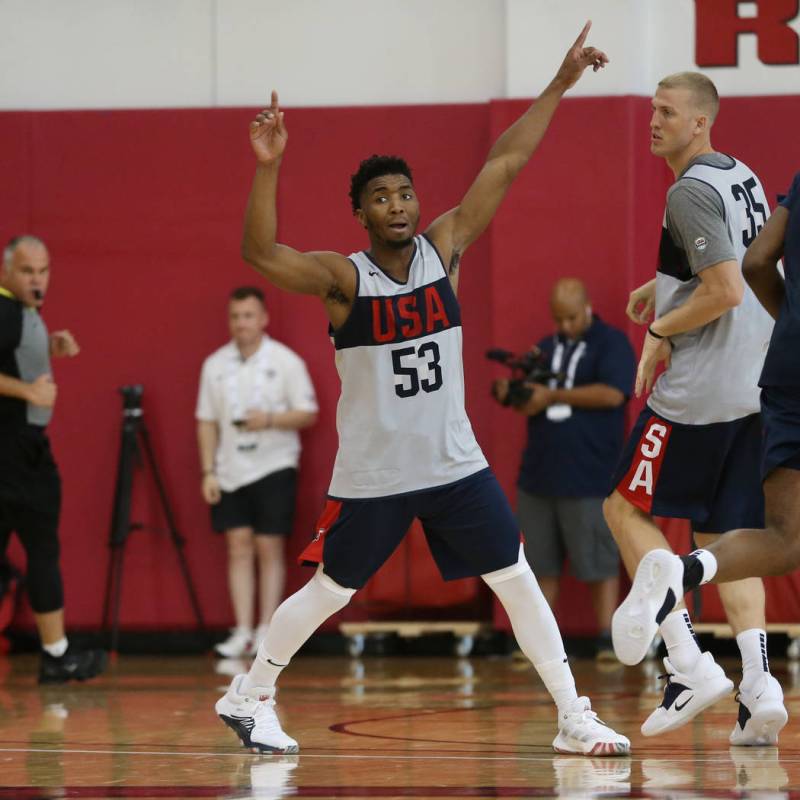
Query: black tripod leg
{"x": 120, "y": 528}
{"x": 117, "y": 559}
{"x": 177, "y": 540}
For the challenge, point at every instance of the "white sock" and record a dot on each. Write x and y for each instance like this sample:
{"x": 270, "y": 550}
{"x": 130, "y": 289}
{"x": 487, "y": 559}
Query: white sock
{"x": 293, "y": 622}
{"x": 58, "y": 648}
{"x": 535, "y": 627}
{"x": 753, "y": 647}
{"x": 678, "y": 634}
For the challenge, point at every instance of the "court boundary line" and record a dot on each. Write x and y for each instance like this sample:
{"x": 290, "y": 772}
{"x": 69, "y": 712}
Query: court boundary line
{"x": 420, "y": 757}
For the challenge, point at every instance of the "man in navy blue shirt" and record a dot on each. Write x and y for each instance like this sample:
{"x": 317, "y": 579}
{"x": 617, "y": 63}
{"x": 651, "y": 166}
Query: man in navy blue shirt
{"x": 576, "y": 428}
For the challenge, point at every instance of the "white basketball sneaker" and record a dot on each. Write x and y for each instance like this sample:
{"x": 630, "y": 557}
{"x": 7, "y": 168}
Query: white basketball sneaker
{"x": 656, "y": 588}
{"x": 687, "y": 694}
{"x": 251, "y": 715}
{"x": 581, "y": 731}
{"x": 762, "y": 714}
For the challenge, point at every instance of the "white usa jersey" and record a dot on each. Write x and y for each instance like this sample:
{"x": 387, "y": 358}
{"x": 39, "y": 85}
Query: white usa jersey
{"x": 401, "y": 418}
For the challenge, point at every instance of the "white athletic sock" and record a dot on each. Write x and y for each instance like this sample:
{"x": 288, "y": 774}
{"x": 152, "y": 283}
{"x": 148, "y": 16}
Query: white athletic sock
{"x": 58, "y": 648}
{"x": 678, "y": 634}
{"x": 295, "y": 619}
{"x": 535, "y": 627}
{"x": 753, "y": 647}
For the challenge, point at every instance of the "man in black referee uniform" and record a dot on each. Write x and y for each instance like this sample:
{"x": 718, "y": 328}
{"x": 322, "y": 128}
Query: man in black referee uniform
{"x": 30, "y": 486}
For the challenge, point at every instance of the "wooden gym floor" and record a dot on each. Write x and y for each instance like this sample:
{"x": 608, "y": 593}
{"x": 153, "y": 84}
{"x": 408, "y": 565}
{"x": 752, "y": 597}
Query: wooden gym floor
{"x": 378, "y": 727}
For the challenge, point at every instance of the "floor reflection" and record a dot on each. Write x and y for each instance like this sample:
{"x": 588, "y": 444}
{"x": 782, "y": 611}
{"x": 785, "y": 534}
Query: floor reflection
{"x": 374, "y": 726}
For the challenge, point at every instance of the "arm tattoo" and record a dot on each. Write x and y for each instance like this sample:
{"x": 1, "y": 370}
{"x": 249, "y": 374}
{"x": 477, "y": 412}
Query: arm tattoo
{"x": 454, "y": 261}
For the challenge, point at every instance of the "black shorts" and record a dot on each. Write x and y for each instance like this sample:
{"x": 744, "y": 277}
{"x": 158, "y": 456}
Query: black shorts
{"x": 28, "y": 473}
{"x": 266, "y": 505}
{"x": 30, "y": 506}
{"x": 708, "y": 474}
{"x": 780, "y": 411}
{"x": 469, "y": 526}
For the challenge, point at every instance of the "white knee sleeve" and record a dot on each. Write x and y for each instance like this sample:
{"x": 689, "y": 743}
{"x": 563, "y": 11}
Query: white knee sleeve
{"x": 535, "y": 627}
{"x": 298, "y": 616}
{"x": 507, "y": 573}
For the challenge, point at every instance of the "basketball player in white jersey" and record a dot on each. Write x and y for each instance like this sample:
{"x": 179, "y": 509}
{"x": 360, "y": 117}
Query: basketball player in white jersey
{"x": 694, "y": 453}
{"x": 406, "y": 448}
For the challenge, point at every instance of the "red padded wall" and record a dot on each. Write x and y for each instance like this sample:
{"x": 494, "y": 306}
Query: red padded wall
{"x": 142, "y": 211}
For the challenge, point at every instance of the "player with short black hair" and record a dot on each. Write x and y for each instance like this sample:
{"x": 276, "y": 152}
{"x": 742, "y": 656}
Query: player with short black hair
{"x": 374, "y": 167}
{"x": 406, "y": 447}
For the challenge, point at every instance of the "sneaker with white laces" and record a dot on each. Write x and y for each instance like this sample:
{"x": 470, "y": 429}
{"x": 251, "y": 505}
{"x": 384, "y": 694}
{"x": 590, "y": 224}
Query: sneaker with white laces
{"x": 251, "y": 715}
{"x": 236, "y": 645}
{"x": 581, "y": 731}
{"x": 762, "y": 714}
{"x": 656, "y": 589}
{"x": 687, "y": 694}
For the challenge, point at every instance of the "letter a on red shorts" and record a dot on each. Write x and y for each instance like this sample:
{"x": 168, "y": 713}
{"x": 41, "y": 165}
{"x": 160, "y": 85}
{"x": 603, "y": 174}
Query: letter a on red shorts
{"x": 639, "y": 484}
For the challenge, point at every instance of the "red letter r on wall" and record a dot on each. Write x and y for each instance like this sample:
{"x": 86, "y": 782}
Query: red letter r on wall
{"x": 718, "y": 26}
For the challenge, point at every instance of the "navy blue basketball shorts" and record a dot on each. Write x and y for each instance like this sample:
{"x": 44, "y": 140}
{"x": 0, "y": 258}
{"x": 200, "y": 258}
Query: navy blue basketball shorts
{"x": 468, "y": 524}
{"x": 708, "y": 474}
{"x": 780, "y": 412}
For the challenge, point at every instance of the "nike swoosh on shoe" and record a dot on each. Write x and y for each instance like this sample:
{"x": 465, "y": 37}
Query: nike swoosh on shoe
{"x": 681, "y": 707}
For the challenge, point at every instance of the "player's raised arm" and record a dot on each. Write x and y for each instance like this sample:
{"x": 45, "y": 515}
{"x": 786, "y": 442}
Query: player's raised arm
{"x": 324, "y": 274}
{"x": 454, "y": 231}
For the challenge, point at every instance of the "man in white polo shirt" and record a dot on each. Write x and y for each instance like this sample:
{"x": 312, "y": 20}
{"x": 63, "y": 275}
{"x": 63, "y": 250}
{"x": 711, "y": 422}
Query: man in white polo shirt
{"x": 255, "y": 395}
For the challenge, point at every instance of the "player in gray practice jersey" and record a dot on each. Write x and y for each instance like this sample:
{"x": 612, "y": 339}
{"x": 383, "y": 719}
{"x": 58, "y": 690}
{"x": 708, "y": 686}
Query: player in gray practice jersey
{"x": 694, "y": 452}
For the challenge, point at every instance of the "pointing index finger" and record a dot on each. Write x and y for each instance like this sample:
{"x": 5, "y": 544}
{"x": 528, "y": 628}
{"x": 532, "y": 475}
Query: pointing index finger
{"x": 583, "y": 34}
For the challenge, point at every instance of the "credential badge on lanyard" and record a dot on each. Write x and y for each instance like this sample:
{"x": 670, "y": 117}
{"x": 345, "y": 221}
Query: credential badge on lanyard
{"x": 561, "y": 411}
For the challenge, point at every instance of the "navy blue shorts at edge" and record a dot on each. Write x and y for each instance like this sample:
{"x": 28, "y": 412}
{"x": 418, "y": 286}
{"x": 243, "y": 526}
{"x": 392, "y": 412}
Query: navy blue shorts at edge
{"x": 780, "y": 413}
{"x": 468, "y": 524}
{"x": 708, "y": 474}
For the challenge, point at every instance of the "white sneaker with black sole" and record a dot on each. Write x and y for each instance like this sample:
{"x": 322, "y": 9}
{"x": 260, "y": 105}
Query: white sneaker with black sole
{"x": 687, "y": 694}
{"x": 762, "y": 714}
{"x": 580, "y": 731}
{"x": 657, "y": 587}
{"x": 251, "y": 715}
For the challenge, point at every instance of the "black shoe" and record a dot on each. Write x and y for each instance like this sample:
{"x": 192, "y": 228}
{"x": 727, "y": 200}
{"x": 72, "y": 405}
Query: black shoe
{"x": 74, "y": 665}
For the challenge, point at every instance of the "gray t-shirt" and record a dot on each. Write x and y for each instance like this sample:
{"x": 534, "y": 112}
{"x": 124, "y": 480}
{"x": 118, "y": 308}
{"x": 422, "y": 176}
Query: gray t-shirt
{"x": 714, "y": 210}
{"x": 33, "y": 359}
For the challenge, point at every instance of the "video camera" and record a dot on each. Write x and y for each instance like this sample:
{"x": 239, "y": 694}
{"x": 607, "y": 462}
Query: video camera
{"x": 530, "y": 367}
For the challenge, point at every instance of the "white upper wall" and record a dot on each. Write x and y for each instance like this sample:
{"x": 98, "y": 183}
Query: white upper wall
{"x": 157, "y": 53}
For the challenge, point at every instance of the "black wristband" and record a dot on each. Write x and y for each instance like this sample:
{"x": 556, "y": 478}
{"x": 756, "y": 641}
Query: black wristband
{"x": 654, "y": 334}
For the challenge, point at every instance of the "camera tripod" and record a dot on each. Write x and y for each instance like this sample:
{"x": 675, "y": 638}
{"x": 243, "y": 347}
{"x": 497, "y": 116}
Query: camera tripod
{"x": 134, "y": 444}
